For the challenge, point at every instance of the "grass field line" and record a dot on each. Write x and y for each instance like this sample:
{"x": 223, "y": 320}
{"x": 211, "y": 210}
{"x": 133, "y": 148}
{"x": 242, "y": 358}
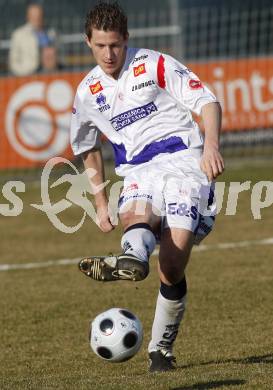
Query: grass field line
{"x": 52, "y": 263}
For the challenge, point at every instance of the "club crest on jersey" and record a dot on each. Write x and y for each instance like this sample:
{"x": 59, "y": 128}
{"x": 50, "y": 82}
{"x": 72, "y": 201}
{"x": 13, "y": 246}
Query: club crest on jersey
{"x": 96, "y": 88}
{"x": 195, "y": 84}
{"x": 101, "y": 102}
{"x": 140, "y": 69}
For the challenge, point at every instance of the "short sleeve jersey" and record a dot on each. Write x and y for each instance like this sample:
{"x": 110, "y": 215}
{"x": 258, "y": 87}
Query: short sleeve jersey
{"x": 145, "y": 113}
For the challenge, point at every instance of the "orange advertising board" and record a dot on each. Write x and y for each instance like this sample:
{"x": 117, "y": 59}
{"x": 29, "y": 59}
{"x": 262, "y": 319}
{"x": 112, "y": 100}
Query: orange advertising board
{"x": 35, "y": 115}
{"x": 244, "y": 88}
{"x": 35, "y": 111}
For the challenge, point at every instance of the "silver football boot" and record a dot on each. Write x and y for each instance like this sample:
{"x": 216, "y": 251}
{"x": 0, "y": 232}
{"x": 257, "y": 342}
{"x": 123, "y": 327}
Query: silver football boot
{"x": 111, "y": 268}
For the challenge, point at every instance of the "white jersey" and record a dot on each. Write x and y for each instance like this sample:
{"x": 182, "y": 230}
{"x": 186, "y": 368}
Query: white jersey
{"x": 145, "y": 113}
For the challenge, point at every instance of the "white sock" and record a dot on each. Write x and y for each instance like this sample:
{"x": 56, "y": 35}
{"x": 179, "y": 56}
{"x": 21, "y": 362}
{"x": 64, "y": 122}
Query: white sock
{"x": 139, "y": 241}
{"x": 168, "y": 316}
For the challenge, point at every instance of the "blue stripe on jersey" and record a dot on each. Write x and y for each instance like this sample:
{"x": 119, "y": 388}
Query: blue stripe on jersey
{"x": 169, "y": 145}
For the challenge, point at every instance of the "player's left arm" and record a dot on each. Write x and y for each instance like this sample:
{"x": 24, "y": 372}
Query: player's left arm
{"x": 212, "y": 163}
{"x": 186, "y": 88}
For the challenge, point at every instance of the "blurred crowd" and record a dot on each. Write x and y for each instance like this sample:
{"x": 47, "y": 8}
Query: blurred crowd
{"x": 33, "y": 46}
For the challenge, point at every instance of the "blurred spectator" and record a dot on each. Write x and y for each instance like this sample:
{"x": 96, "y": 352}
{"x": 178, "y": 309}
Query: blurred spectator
{"x": 49, "y": 60}
{"x": 27, "y": 42}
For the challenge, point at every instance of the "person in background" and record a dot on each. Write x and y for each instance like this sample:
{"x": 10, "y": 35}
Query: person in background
{"x": 49, "y": 60}
{"x": 27, "y": 42}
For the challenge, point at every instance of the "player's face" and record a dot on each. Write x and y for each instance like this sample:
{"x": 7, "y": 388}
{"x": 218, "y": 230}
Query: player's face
{"x": 109, "y": 50}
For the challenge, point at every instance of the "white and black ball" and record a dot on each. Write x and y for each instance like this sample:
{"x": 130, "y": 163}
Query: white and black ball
{"x": 116, "y": 335}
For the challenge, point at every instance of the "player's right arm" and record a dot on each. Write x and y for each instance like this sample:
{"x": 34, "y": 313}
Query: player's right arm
{"x": 85, "y": 141}
{"x": 93, "y": 159}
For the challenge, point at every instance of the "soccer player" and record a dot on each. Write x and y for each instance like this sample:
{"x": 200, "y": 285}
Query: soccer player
{"x": 142, "y": 101}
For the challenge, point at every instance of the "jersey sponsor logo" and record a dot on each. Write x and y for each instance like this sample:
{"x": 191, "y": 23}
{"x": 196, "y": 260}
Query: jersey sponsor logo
{"x": 143, "y": 85}
{"x": 183, "y": 72}
{"x": 195, "y": 84}
{"x": 140, "y": 58}
{"x": 101, "y": 102}
{"x": 183, "y": 210}
{"x": 129, "y": 117}
{"x": 140, "y": 69}
{"x": 137, "y": 196}
{"x": 96, "y": 88}
{"x": 89, "y": 80}
{"x": 131, "y": 187}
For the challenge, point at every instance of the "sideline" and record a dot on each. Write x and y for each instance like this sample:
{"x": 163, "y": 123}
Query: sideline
{"x": 201, "y": 248}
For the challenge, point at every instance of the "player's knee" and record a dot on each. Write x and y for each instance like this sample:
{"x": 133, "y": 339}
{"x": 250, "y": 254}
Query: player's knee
{"x": 173, "y": 275}
{"x": 128, "y": 219}
{"x": 173, "y": 268}
{"x": 173, "y": 272}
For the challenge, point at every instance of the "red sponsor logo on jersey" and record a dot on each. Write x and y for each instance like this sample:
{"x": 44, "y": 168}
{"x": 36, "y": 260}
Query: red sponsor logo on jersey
{"x": 138, "y": 70}
{"x": 95, "y": 88}
{"x": 195, "y": 84}
{"x": 131, "y": 187}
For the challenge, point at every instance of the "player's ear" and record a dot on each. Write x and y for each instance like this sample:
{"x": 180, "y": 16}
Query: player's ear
{"x": 126, "y": 38}
{"x": 87, "y": 40}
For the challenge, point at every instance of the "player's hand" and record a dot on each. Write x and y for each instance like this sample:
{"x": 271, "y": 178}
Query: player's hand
{"x": 212, "y": 163}
{"x": 103, "y": 220}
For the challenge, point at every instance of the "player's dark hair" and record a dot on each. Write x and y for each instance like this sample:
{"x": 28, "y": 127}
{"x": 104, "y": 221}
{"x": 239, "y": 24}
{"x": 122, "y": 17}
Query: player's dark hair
{"x": 107, "y": 17}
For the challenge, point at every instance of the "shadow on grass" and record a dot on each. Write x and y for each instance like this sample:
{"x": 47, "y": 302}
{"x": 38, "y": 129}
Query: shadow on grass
{"x": 265, "y": 359}
{"x": 211, "y": 385}
{"x": 268, "y": 359}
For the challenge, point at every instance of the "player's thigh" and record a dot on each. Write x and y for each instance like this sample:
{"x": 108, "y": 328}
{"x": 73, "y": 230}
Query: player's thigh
{"x": 138, "y": 212}
{"x": 190, "y": 203}
{"x": 175, "y": 249}
{"x": 140, "y": 202}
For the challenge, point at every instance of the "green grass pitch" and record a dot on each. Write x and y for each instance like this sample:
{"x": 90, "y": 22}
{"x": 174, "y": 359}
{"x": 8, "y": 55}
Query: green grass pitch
{"x": 226, "y": 341}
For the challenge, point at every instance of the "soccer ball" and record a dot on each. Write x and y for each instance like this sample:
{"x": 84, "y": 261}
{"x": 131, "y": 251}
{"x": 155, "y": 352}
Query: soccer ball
{"x": 116, "y": 335}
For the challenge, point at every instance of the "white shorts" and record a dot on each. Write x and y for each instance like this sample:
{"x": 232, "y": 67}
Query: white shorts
{"x": 178, "y": 191}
